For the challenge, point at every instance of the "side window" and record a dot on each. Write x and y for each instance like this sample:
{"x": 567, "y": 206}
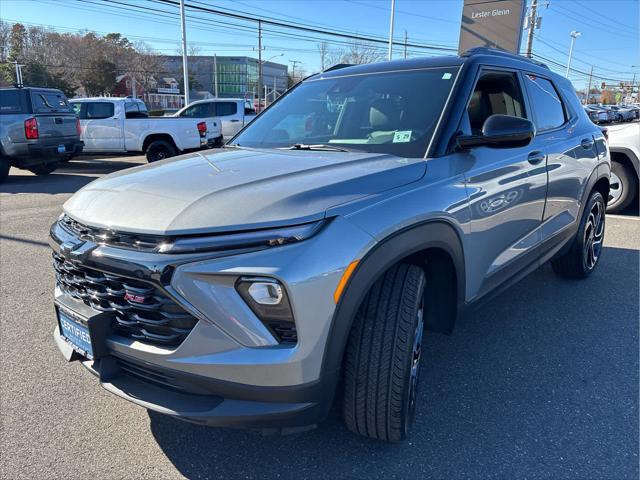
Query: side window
{"x": 131, "y": 110}
{"x": 98, "y": 110}
{"x": 226, "y": 108}
{"x": 76, "y": 108}
{"x": 199, "y": 110}
{"x": 495, "y": 93}
{"x": 547, "y": 106}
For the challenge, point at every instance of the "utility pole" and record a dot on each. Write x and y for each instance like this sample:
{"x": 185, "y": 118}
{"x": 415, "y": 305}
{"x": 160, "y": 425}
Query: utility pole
{"x": 589, "y": 88}
{"x": 185, "y": 67}
{"x": 405, "y": 44}
{"x": 393, "y": 7}
{"x": 533, "y": 21}
{"x": 293, "y": 69}
{"x": 215, "y": 74}
{"x": 133, "y": 87}
{"x": 259, "y": 65}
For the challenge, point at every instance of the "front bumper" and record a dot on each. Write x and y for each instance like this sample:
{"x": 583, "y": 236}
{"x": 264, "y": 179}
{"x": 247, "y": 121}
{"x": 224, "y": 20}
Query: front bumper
{"x": 203, "y": 400}
{"x": 229, "y": 370}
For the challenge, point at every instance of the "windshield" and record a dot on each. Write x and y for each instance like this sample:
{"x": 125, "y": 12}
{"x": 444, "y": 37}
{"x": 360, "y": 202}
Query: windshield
{"x": 386, "y": 112}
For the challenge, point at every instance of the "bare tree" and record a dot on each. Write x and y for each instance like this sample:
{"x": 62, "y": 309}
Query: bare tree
{"x": 359, "y": 52}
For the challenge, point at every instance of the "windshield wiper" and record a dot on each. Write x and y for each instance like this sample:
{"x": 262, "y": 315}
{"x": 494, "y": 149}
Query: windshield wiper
{"x": 319, "y": 146}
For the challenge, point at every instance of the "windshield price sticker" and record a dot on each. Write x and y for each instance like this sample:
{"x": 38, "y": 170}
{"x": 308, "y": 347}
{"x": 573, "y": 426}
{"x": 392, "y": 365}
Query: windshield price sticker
{"x": 402, "y": 136}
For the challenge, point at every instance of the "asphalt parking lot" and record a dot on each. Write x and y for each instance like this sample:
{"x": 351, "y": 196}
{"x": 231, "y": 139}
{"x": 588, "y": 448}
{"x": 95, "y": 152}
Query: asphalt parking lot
{"x": 542, "y": 382}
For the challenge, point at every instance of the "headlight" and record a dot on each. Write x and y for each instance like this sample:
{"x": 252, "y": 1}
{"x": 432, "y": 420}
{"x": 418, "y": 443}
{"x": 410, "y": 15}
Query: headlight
{"x": 256, "y": 238}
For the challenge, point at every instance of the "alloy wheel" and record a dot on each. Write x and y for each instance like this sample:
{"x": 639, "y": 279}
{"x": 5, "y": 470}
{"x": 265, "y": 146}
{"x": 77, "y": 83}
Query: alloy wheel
{"x": 615, "y": 189}
{"x": 593, "y": 235}
{"x": 416, "y": 355}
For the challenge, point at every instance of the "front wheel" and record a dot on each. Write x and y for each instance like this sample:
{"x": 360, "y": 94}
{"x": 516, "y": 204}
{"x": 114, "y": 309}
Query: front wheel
{"x": 382, "y": 360}
{"x": 159, "y": 150}
{"x": 586, "y": 248}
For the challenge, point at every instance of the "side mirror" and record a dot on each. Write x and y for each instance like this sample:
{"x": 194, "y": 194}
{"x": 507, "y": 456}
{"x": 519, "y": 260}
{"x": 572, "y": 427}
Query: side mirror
{"x": 501, "y": 131}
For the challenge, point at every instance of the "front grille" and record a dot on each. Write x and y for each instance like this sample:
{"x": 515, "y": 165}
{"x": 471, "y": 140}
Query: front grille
{"x": 141, "y": 311}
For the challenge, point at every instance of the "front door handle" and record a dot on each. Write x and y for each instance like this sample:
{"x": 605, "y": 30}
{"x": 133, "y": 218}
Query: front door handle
{"x": 536, "y": 157}
{"x": 587, "y": 143}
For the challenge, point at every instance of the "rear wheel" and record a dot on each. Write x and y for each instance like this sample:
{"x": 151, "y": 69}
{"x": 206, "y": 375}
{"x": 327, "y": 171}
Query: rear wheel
{"x": 5, "y": 166}
{"x": 44, "y": 169}
{"x": 382, "y": 362}
{"x": 159, "y": 150}
{"x": 623, "y": 187}
{"x": 586, "y": 247}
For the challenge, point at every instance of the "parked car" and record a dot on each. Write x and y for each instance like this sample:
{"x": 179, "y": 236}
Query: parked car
{"x": 635, "y": 109}
{"x": 624, "y": 144}
{"x": 596, "y": 115}
{"x": 370, "y": 203}
{"x": 605, "y": 115}
{"x": 123, "y": 125}
{"x": 38, "y": 129}
{"x": 622, "y": 114}
{"x": 233, "y": 113}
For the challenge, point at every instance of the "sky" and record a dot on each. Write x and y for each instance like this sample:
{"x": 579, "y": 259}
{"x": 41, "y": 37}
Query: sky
{"x": 610, "y": 40}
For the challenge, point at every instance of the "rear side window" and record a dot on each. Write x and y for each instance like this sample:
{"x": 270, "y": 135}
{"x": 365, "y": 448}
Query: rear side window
{"x": 548, "y": 110}
{"x": 11, "y": 101}
{"x": 226, "y": 108}
{"x": 98, "y": 110}
{"x": 49, "y": 102}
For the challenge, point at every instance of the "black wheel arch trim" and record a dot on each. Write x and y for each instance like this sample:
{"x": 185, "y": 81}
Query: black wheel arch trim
{"x": 437, "y": 233}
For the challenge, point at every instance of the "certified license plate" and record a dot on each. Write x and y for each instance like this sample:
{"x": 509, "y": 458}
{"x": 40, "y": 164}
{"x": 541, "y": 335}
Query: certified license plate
{"x": 75, "y": 333}
{"x": 61, "y": 149}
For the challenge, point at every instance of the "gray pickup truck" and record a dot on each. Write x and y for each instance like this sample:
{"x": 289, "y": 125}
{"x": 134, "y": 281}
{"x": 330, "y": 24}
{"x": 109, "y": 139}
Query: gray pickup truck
{"x": 38, "y": 129}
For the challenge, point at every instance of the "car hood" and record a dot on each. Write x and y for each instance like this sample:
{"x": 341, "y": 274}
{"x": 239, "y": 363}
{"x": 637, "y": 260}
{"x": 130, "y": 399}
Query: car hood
{"x": 238, "y": 189}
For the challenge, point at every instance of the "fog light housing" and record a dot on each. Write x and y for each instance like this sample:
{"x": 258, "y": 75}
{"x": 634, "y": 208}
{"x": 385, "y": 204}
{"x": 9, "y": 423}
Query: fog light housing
{"x": 268, "y": 300}
{"x": 266, "y": 293}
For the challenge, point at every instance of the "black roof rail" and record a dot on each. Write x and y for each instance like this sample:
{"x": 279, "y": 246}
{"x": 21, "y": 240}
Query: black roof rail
{"x": 338, "y": 66}
{"x": 495, "y": 51}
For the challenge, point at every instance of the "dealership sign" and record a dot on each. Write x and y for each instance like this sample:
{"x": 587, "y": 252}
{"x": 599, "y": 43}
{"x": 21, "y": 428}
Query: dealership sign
{"x": 496, "y": 24}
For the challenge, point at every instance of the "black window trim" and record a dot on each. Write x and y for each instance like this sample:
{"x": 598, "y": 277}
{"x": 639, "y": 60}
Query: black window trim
{"x": 563, "y": 102}
{"x": 497, "y": 69}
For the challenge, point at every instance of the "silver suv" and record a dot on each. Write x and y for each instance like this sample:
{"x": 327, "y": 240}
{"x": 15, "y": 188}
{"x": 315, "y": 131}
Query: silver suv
{"x": 369, "y": 204}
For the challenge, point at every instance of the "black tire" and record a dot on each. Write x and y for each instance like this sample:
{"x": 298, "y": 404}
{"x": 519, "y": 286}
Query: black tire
{"x": 624, "y": 187}
{"x": 44, "y": 169}
{"x": 159, "y": 150}
{"x": 586, "y": 247}
{"x": 5, "y": 166}
{"x": 383, "y": 356}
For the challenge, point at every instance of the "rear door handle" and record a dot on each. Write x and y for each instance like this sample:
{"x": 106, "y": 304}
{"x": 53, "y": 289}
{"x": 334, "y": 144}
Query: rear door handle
{"x": 234, "y": 120}
{"x": 587, "y": 143}
{"x": 536, "y": 157}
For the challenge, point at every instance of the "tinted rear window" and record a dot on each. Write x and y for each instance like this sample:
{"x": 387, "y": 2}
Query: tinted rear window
{"x": 50, "y": 102}
{"x": 11, "y": 102}
{"x": 226, "y": 108}
{"x": 97, "y": 110}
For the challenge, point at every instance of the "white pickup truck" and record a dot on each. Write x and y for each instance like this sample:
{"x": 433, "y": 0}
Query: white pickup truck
{"x": 119, "y": 125}
{"x": 624, "y": 145}
{"x": 233, "y": 113}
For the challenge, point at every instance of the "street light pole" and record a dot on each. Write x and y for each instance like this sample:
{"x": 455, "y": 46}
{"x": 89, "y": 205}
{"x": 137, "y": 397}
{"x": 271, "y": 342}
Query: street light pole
{"x": 185, "y": 68}
{"x": 574, "y": 34}
{"x": 393, "y": 7}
